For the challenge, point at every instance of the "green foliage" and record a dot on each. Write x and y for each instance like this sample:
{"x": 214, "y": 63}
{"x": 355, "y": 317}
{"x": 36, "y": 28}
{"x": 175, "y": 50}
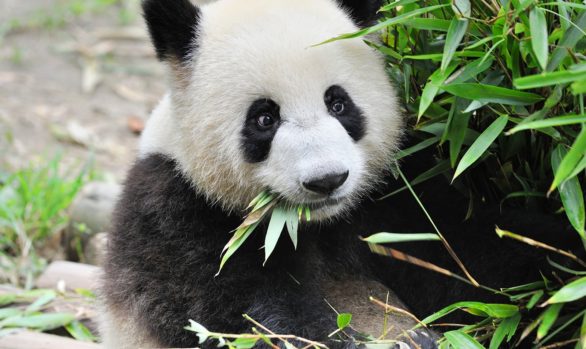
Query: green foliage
{"x": 282, "y": 215}
{"x": 497, "y": 88}
{"x": 33, "y": 201}
{"x": 344, "y": 320}
{"x": 35, "y": 310}
{"x": 60, "y": 14}
{"x": 249, "y": 340}
{"x": 389, "y": 238}
{"x": 461, "y": 67}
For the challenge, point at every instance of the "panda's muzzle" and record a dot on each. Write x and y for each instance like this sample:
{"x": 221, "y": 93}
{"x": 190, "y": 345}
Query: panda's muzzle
{"x": 326, "y": 185}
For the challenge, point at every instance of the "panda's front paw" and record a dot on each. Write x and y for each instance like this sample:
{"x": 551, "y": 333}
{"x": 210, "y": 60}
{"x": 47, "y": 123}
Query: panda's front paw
{"x": 418, "y": 339}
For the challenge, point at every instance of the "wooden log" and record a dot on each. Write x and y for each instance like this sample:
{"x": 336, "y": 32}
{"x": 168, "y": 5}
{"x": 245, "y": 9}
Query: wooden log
{"x": 22, "y": 339}
{"x": 73, "y": 275}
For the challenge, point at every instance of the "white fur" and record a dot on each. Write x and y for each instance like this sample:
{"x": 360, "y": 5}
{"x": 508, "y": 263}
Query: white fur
{"x": 118, "y": 332}
{"x": 254, "y": 49}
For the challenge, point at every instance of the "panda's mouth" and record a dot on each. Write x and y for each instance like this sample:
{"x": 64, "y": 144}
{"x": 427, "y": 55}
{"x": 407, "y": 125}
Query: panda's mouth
{"x": 317, "y": 205}
{"x": 324, "y": 203}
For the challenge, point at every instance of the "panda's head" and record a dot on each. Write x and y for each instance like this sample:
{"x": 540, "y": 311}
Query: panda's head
{"x": 255, "y": 105}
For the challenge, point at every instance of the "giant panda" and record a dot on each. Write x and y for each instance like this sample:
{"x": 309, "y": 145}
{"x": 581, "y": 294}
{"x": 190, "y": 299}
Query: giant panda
{"x": 253, "y": 105}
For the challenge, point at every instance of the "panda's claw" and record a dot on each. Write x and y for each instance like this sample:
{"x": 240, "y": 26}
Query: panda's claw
{"x": 418, "y": 339}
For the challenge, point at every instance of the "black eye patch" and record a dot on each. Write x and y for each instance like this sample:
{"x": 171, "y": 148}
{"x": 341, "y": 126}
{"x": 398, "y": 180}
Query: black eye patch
{"x": 261, "y": 125}
{"x": 341, "y": 106}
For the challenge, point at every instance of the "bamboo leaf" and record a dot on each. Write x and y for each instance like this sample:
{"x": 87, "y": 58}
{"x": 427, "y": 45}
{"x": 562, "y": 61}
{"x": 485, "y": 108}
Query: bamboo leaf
{"x": 293, "y": 226}
{"x": 43, "y": 300}
{"x": 235, "y": 245}
{"x": 456, "y": 33}
{"x": 276, "y": 225}
{"x": 506, "y": 329}
{"x": 462, "y": 8}
{"x": 549, "y": 79}
{"x": 431, "y": 89}
{"x": 395, "y": 4}
{"x": 549, "y": 317}
{"x": 570, "y": 161}
{"x": 433, "y": 24}
{"x": 481, "y": 145}
{"x": 42, "y": 322}
{"x": 492, "y": 94}
{"x": 80, "y": 332}
{"x": 534, "y": 299}
{"x": 568, "y": 42}
{"x": 539, "y": 35}
{"x": 470, "y": 71}
{"x": 418, "y": 147}
{"x": 497, "y": 311}
{"x": 344, "y": 320}
{"x": 569, "y": 293}
{"x": 579, "y": 87}
{"x": 571, "y": 194}
{"x": 441, "y": 167}
{"x": 551, "y": 122}
{"x": 388, "y": 238}
{"x": 384, "y": 24}
{"x": 459, "y": 339}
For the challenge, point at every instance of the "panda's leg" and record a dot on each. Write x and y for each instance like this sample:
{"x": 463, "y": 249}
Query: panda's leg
{"x": 120, "y": 332}
{"x": 494, "y": 262}
{"x": 353, "y": 296}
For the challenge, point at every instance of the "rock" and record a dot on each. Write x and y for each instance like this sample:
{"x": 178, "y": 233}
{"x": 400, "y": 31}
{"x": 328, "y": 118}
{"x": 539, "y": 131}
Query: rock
{"x": 91, "y": 214}
{"x": 23, "y": 339}
{"x": 94, "y": 205}
{"x": 69, "y": 275}
{"x": 95, "y": 248}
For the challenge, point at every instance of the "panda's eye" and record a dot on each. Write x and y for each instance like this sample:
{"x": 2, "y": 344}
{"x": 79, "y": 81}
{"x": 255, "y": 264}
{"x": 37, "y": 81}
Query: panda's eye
{"x": 338, "y": 107}
{"x": 265, "y": 121}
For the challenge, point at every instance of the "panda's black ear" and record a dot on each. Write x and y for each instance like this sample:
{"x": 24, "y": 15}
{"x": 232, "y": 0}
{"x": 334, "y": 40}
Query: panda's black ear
{"x": 172, "y": 25}
{"x": 363, "y": 12}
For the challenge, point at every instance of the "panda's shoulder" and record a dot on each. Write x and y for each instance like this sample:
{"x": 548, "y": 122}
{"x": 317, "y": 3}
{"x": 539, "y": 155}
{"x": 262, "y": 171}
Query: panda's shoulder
{"x": 158, "y": 197}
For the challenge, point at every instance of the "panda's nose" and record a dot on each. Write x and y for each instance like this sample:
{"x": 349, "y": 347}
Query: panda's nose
{"x": 326, "y": 185}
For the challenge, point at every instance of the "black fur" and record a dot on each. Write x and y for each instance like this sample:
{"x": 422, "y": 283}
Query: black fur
{"x": 256, "y": 140}
{"x": 352, "y": 117}
{"x": 165, "y": 247}
{"x": 363, "y": 12}
{"x": 164, "y": 252}
{"x": 172, "y": 26}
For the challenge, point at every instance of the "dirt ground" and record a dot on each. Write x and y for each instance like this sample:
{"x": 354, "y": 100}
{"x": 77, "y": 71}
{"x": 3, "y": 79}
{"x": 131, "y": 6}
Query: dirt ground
{"x": 77, "y": 77}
